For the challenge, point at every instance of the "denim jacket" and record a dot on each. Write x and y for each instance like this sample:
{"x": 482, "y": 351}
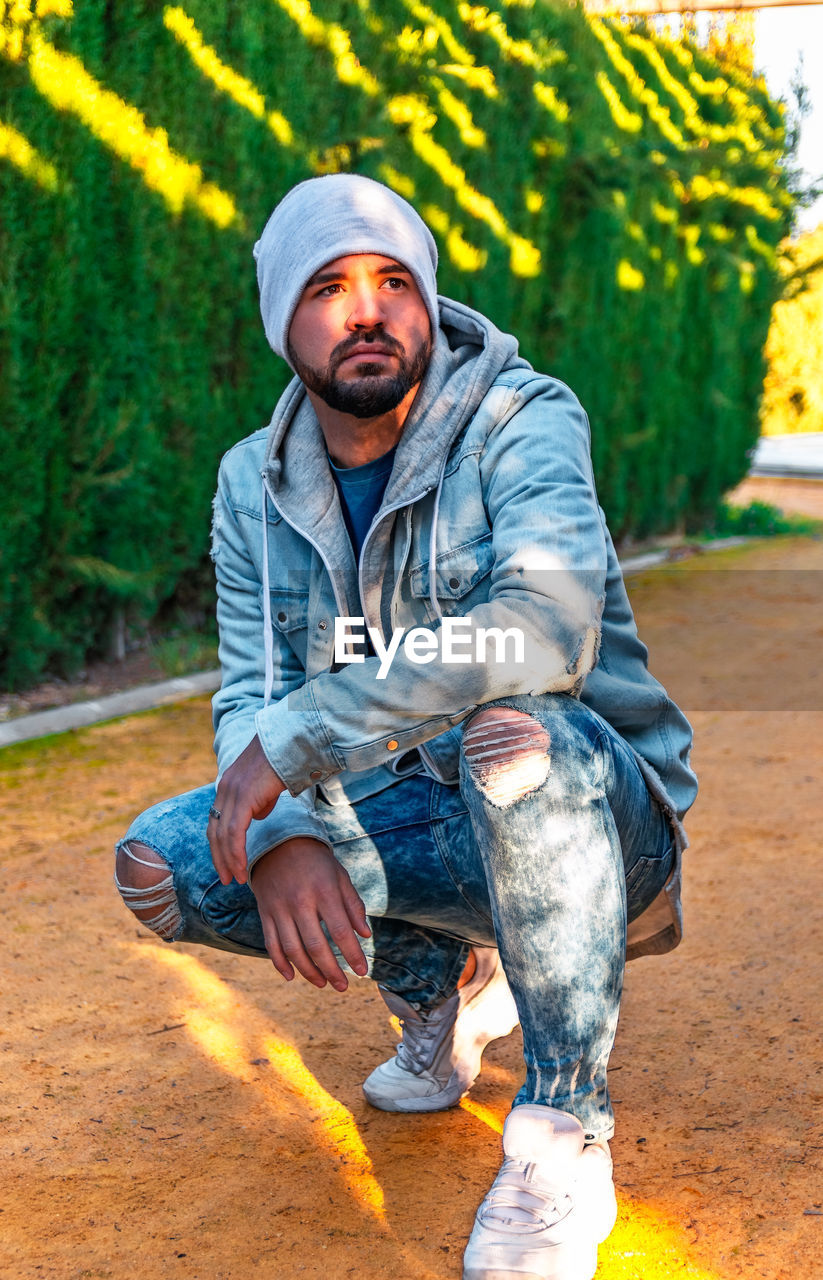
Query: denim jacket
{"x": 490, "y": 515}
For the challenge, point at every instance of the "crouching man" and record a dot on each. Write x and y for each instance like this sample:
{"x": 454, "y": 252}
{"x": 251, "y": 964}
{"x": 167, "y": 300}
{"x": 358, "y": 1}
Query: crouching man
{"x": 443, "y": 762}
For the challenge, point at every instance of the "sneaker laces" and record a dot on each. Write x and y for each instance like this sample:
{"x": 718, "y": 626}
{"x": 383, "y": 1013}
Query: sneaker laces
{"x": 415, "y": 1050}
{"x": 520, "y": 1209}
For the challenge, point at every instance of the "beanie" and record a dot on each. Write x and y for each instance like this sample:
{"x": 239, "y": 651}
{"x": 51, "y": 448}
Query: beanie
{"x": 327, "y": 218}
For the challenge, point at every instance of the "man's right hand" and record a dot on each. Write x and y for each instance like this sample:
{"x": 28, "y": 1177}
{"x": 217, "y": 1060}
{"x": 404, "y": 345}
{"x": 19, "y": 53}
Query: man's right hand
{"x": 298, "y": 885}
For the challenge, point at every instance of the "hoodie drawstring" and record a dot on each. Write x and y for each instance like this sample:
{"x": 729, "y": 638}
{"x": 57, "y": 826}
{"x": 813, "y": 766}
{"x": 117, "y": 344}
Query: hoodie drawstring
{"x": 268, "y": 638}
{"x": 435, "y": 603}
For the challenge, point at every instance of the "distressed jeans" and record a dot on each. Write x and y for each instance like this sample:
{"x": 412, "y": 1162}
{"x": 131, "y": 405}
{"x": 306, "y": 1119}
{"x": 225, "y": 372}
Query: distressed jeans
{"x": 550, "y": 874}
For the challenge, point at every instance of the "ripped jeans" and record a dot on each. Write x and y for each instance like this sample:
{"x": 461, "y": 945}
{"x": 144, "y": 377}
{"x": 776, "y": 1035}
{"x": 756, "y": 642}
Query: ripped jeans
{"x": 549, "y": 846}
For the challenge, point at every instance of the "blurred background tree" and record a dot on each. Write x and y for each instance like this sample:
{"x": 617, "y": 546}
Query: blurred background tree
{"x": 730, "y": 39}
{"x": 793, "y": 390}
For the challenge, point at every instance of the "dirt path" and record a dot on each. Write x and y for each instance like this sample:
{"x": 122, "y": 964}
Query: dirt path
{"x": 181, "y": 1113}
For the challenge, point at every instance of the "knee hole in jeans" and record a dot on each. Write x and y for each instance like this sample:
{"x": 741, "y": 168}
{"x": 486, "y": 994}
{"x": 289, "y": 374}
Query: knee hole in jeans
{"x": 145, "y": 884}
{"x": 507, "y": 752}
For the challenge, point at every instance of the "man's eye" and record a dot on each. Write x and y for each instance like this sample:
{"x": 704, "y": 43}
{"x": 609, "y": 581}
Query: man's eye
{"x": 328, "y": 290}
{"x": 396, "y": 282}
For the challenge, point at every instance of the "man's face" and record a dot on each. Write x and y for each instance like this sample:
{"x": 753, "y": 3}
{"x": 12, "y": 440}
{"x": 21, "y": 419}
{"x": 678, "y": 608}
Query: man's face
{"x": 360, "y": 337}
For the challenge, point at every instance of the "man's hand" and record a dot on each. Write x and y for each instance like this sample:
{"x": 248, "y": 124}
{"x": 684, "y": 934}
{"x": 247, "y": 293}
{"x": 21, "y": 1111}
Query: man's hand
{"x": 298, "y": 885}
{"x": 248, "y": 789}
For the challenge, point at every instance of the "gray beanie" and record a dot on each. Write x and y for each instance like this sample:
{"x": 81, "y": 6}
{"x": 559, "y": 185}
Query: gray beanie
{"x": 327, "y": 218}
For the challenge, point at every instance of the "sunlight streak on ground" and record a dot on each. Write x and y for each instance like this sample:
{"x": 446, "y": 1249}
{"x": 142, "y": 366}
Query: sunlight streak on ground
{"x": 337, "y": 1121}
{"x": 481, "y": 1113}
{"x": 645, "y": 1246}
{"x": 232, "y": 1033}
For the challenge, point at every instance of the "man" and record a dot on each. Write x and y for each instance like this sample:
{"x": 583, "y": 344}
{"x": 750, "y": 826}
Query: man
{"x": 436, "y": 734}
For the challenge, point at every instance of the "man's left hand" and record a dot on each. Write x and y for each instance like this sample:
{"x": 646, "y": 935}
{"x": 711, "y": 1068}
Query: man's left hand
{"x": 248, "y": 789}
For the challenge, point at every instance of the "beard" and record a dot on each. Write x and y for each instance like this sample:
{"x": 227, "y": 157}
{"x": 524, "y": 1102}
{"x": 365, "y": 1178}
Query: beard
{"x": 373, "y": 391}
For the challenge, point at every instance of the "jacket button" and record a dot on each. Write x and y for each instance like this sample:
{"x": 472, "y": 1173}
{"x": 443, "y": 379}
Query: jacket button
{"x": 322, "y": 624}
{"x": 454, "y": 583}
{"x": 281, "y": 617}
{"x": 392, "y": 744}
{"x": 315, "y": 774}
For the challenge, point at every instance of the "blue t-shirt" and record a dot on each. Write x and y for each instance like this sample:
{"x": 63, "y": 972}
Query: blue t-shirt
{"x": 361, "y": 491}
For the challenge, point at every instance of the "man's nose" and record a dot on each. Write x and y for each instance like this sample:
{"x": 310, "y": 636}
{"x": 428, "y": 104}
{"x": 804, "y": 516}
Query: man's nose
{"x": 366, "y": 311}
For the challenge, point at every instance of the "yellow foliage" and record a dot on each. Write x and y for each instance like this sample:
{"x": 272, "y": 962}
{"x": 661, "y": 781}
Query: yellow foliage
{"x": 793, "y": 389}
{"x": 413, "y": 111}
{"x": 55, "y": 9}
{"x": 414, "y": 43}
{"x": 549, "y": 148}
{"x": 401, "y": 182}
{"x": 663, "y": 213}
{"x": 695, "y": 255}
{"x": 481, "y": 19}
{"x": 481, "y": 78}
{"x": 628, "y": 121}
{"x": 336, "y": 40}
{"x": 747, "y": 113}
{"x": 703, "y": 187}
{"x": 17, "y": 149}
{"x": 720, "y": 233}
{"x": 731, "y": 39}
{"x": 437, "y": 218}
{"x": 658, "y": 113}
{"x": 223, "y": 77}
{"x": 459, "y": 114}
{"x": 431, "y": 19}
{"x": 68, "y": 86}
{"x": 524, "y": 257}
{"x": 465, "y": 256}
{"x": 628, "y": 277}
{"x": 546, "y": 95}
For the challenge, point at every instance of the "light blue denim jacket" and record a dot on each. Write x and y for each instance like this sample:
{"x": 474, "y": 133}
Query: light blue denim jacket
{"x": 490, "y": 514}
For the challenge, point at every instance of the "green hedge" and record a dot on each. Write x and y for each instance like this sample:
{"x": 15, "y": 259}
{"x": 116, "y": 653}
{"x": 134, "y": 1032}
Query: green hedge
{"x": 614, "y": 199}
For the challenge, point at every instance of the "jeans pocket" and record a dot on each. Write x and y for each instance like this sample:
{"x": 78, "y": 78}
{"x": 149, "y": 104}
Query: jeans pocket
{"x": 644, "y": 880}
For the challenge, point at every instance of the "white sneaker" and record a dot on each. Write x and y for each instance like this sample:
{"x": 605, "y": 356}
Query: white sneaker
{"x": 549, "y": 1207}
{"x": 438, "y": 1057}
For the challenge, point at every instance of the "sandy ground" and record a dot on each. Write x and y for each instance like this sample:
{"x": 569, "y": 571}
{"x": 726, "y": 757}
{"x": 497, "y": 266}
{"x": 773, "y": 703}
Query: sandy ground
{"x": 178, "y": 1112}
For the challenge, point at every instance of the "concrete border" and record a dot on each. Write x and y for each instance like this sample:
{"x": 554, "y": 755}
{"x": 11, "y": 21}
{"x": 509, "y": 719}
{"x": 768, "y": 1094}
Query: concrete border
{"x": 79, "y": 715}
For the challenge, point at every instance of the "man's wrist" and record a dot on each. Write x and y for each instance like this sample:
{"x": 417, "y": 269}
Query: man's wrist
{"x": 295, "y": 840}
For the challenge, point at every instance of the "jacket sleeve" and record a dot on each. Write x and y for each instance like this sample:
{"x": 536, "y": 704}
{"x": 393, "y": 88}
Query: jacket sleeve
{"x": 547, "y": 580}
{"x": 234, "y": 706}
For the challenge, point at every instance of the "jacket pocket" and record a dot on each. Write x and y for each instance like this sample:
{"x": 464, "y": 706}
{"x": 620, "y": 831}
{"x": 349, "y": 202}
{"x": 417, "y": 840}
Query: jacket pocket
{"x": 457, "y": 572}
{"x": 289, "y": 610}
